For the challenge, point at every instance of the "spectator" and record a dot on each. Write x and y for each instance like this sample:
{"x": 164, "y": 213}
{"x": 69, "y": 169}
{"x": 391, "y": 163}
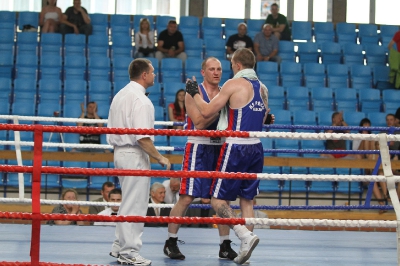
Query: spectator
{"x": 72, "y": 195}
{"x": 115, "y": 196}
{"x": 106, "y": 188}
{"x": 372, "y": 145}
{"x": 395, "y": 40}
{"x": 177, "y": 110}
{"x": 336, "y": 144}
{"x": 391, "y": 122}
{"x": 90, "y": 113}
{"x": 266, "y": 45}
{"x": 157, "y": 195}
{"x": 144, "y": 40}
{"x": 77, "y": 20}
{"x": 239, "y": 40}
{"x": 172, "y": 190}
{"x": 50, "y": 17}
{"x": 170, "y": 43}
{"x": 280, "y": 25}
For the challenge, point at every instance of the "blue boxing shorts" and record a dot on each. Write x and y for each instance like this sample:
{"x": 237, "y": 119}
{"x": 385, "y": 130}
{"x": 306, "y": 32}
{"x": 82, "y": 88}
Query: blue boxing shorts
{"x": 198, "y": 157}
{"x": 243, "y": 158}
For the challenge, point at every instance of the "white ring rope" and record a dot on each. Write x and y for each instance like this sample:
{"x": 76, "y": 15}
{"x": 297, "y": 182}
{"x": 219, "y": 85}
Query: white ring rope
{"x": 74, "y": 145}
{"x": 312, "y": 177}
{"x": 322, "y": 222}
{"x": 249, "y": 221}
{"x": 71, "y": 120}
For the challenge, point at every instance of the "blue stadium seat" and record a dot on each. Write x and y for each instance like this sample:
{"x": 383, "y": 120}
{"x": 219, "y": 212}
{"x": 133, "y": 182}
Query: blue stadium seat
{"x": 282, "y": 117}
{"x": 6, "y": 65}
{"x": 120, "y": 24}
{"x": 27, "y": 43}
{"x": 361, "y": 76}
{"x": 388, "y": 30}
{"x": 324, "y": 118}
{"x": 346, "y": 32}
{"x": 75, "y": 44}
{"x": 331, "y": 53}
{"x": 286, "y": 51}
{"x": 5, "y": 89}
{"x": 51, "y": 87}
{"x": 50, "y": 181}
{"x": 297, "y": 98}
{"x": 170, "y": 88}
{"x": 370, "y": 100}
{"x": 378, "y": 119}
{"x": 12, "y": 180}
{"x": 381, "y": 77}
{"x": 353, "y": 54}
{"x": 276, "y": 92}
{"x": 291, "y": 74}
{"x": 26, "y": 108}
{"x": 97, "y": 45}
{"x": 96, "y": 182}
{"x": 99, "y": 23}
{"x": 308, "y": 52}
{"x": 49, "y": 108}
{"x": 324, "y": 28}
{"x": 215, "y": 47}
{"x": 304, "y": 117}
{"x": 390, "y": 107}
{"x": 301, "y": 30}
{"x": 390, "y": 96}
{"x": 7, "y": 19}
{"x": 74, "y": 67}
{"x": 254, "y": 26}
{"x": 192, "y": 68}
{"x": 368, "y": 33}
{"x": 211, "y": 25}
{"x": 28, "y": 18}
{"x": 120, "y": 67}
{"x": 337, "y": 76}
{"x": 171, "y": 70}
{"x": 50, "y": 67}
{"x": 353, "y": 118}
{"x": 314, "y": 75}
{"x": 159, "y": 113}
{"x": 99, "y": 68}
{"x": 100, "y": 87}
{"x": 194, "y": 48}
{"x": 288, "y": 144}
{"x": 322, "y": 99}
{"x": 51, "y": 43}
{"x": 226, "y": 71}
{"x": 26, "y": 67}
{"x": 121, "y": 45}
{"x": 24, "y": 85}
{"x": 276, "y": 104}
{"x": 268, "y": 72}
{"x": 189, "y": 26}
{"x": 345, "y": 94}
{"x": 375, "y": 55}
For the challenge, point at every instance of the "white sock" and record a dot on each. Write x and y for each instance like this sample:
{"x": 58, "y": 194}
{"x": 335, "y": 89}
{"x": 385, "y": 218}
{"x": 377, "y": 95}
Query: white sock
{"x": 240, "y": 230}
{"x": 222, "y": 238}
{"x": 172, "y": 235}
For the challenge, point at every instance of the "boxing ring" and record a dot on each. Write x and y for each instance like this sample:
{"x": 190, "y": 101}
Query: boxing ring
{"x": 81, "y": 245}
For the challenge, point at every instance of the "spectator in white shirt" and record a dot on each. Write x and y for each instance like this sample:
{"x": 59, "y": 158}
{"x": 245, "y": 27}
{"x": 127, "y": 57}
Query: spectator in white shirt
{"x": 114, "y": 196}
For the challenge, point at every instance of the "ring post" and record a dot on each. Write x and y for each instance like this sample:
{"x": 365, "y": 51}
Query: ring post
{"x": 387, "y": 171}
{"x": 36, "y": 175}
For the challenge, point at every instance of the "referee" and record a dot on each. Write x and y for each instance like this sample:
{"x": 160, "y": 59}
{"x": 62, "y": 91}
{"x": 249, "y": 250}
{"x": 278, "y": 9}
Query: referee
{"x": 131, "y": 108}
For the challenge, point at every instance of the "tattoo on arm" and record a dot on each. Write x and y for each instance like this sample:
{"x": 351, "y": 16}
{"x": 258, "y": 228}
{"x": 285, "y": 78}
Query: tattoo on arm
{"x": 264, "y": 95}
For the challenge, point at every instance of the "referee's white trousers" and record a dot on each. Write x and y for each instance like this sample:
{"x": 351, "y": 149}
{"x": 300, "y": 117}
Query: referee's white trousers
{"x": 135, "y": 198}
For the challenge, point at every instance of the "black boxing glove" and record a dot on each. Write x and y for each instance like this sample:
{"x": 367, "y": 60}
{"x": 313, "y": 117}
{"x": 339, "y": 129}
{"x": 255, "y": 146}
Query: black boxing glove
{"x": 192, "y": 88}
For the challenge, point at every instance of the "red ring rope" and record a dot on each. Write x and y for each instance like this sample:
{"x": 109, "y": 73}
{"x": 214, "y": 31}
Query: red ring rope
{"x": 121, "y": 131}
{"x": 121, "y": 218}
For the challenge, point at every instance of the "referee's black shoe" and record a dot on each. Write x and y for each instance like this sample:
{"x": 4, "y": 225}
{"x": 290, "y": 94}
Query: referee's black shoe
{"x": 171, "y": 249}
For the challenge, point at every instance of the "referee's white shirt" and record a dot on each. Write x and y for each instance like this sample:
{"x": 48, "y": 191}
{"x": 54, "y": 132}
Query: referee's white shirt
{"x": 130, "y": 108}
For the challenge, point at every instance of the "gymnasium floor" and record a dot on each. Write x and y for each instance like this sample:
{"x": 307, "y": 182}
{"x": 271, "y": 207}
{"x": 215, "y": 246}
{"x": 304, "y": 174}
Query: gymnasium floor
{"x": 91, "y": 245}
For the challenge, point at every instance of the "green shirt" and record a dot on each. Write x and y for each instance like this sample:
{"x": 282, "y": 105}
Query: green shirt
{"x": 281, "y": 19}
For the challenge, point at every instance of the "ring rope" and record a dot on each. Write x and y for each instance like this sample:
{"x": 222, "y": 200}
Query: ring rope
{"x": 200, "y": 133}
{"x": 201, "y": 206}
{"x": 169, "y": 148}
{"x": 200, "y": 174}
{"x": 170, "y": 123}
{"x": 199, "y": 220}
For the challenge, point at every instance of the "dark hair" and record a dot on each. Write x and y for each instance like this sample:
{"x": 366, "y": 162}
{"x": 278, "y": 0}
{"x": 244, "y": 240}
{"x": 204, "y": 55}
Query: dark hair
{"x": 172, "y": 21}
{"x": 55, "y": 3}
{"x": 115, "y": 191}
{"x": 107, "y": 184}
{"x": 275, "y": 4}
{"x": 245, "y": 57}
{"x": 334, "y": 114}
{"x": 364, "y": 121}
{"x": 390, "y": 115}
{"x": 137, "y": 67}
{"x": 177, "y": 108}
